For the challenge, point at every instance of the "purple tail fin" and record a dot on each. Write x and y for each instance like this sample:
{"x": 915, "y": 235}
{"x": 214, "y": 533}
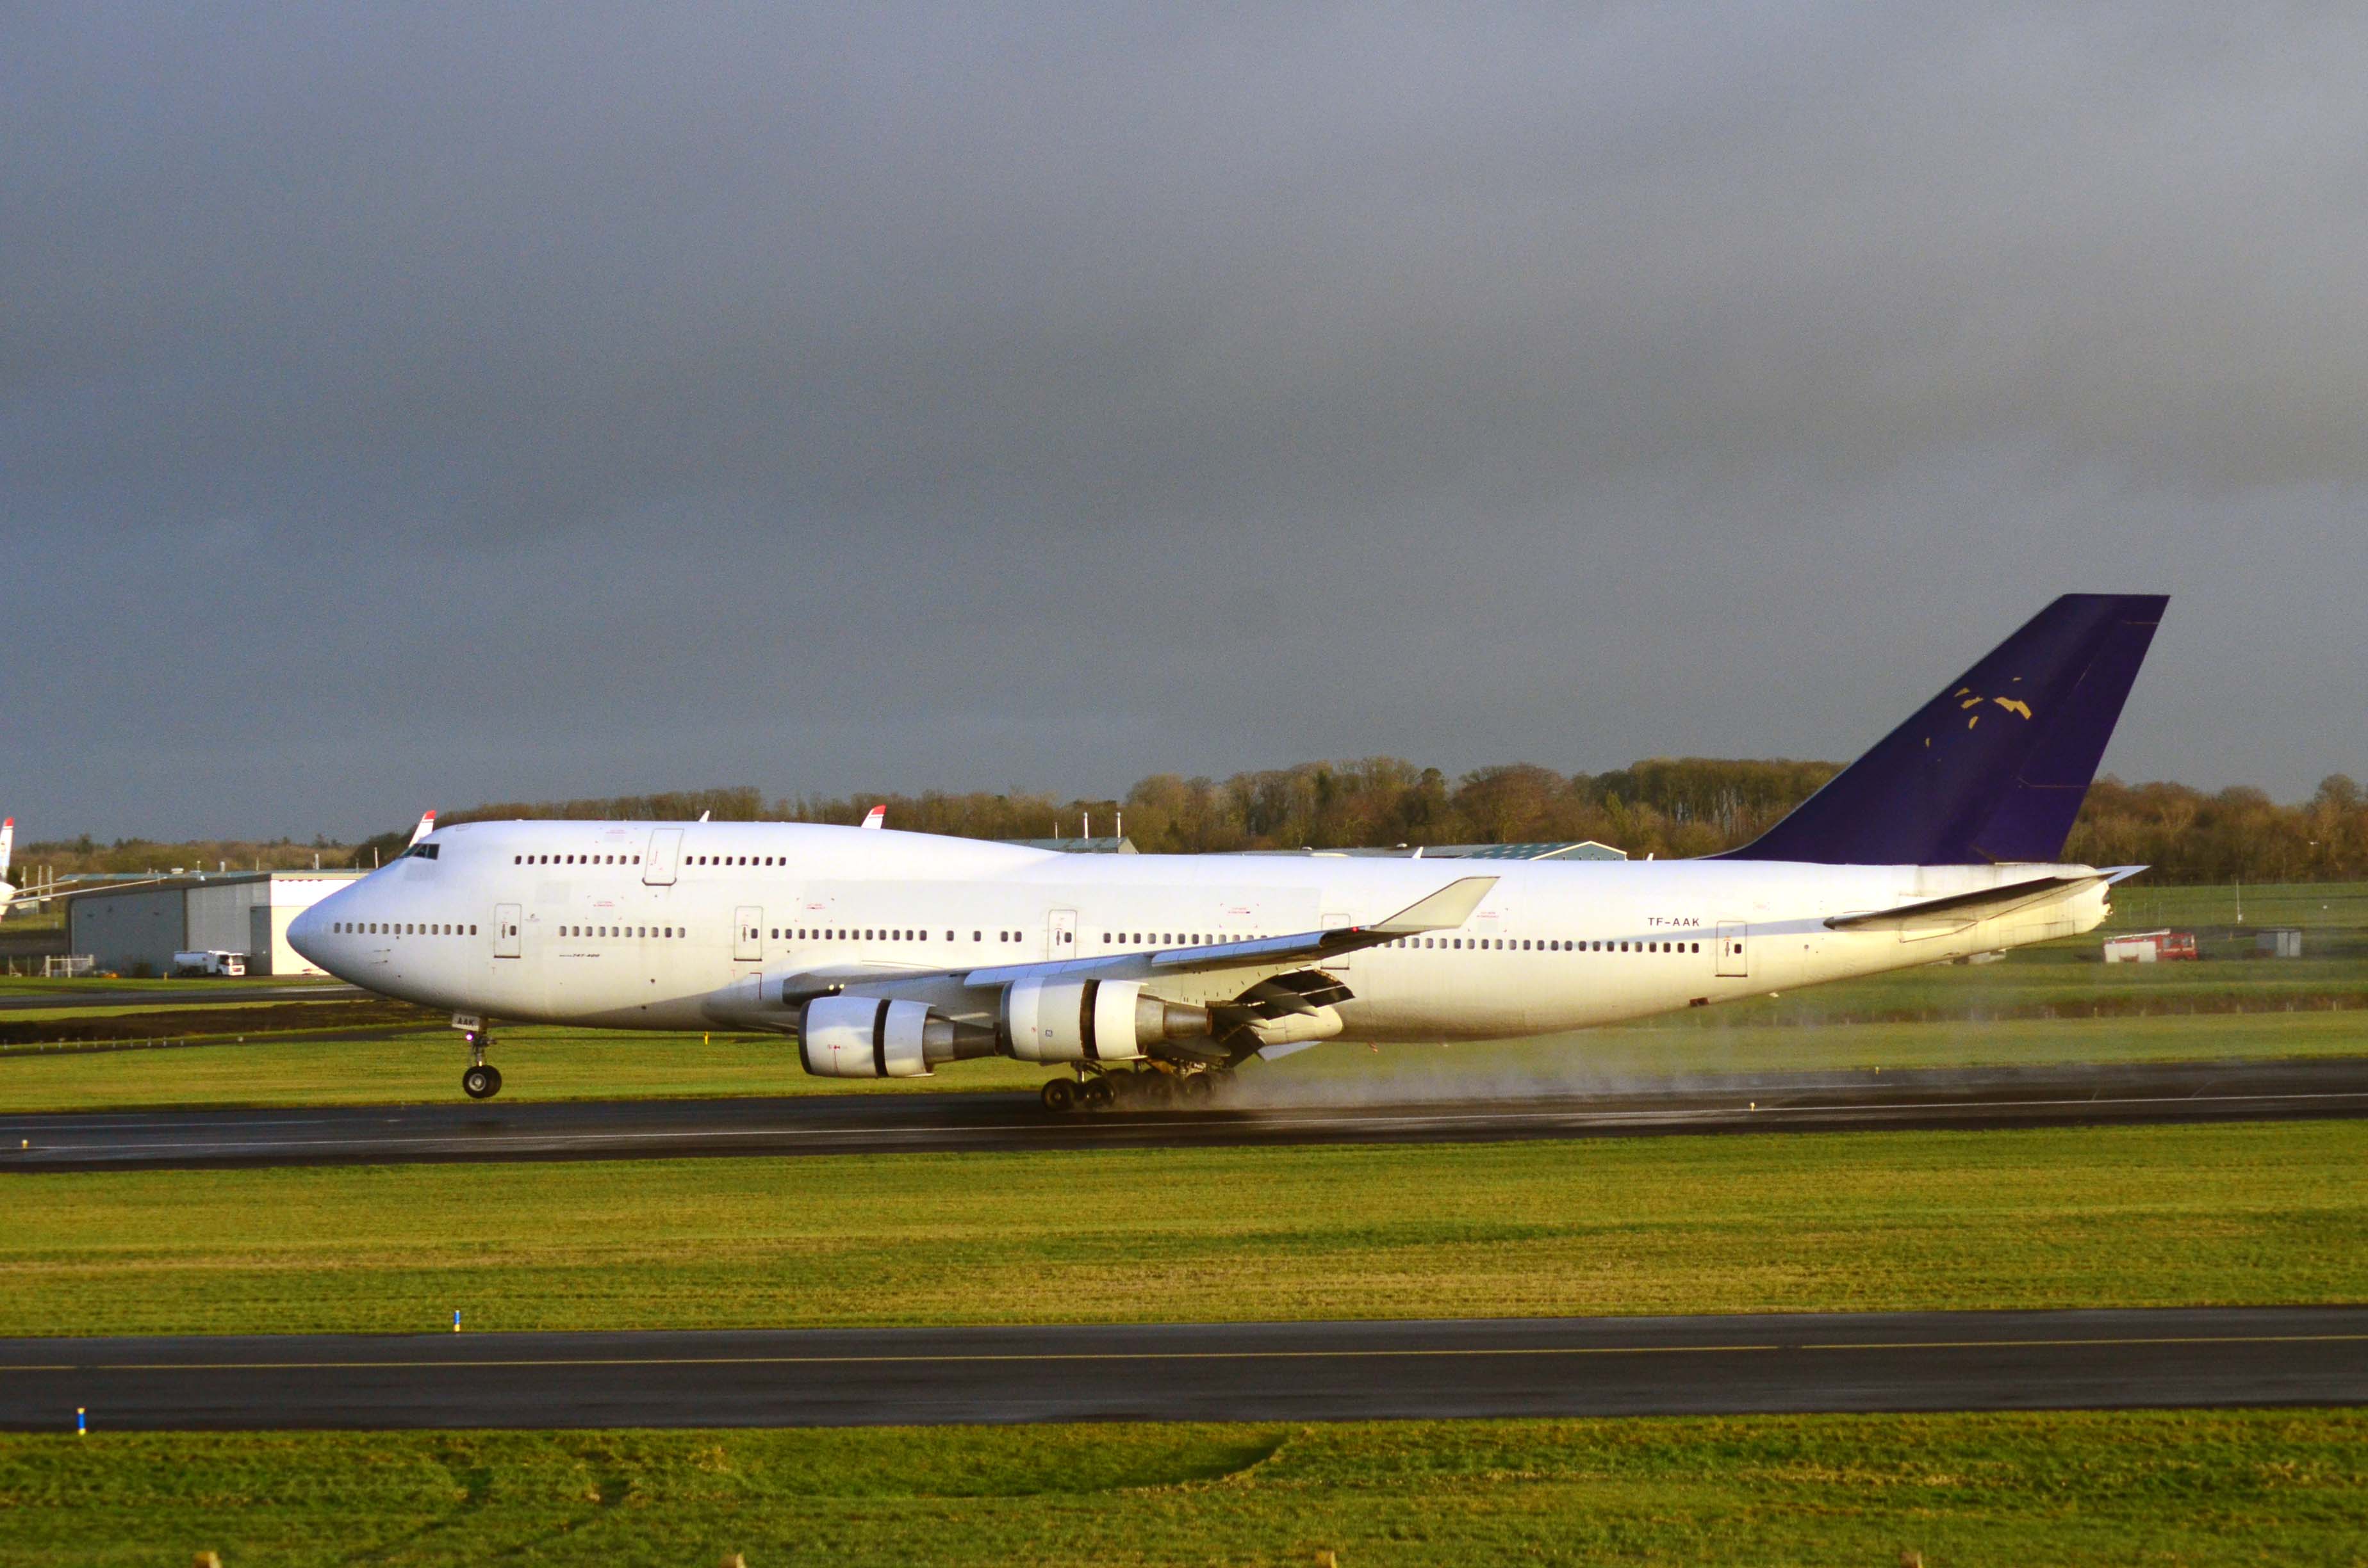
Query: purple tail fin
{"x": 1995, "y": 768}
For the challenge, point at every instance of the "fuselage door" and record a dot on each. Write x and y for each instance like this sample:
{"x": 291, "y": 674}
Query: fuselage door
{"x": 748, "y": 934}
{"x": 506, "y": 930}
{"x": 1061, "y": 935}
{"x": 657, "y": 864}
{"x": 1337, "y": 923}
{"x": 1733, "y": 952}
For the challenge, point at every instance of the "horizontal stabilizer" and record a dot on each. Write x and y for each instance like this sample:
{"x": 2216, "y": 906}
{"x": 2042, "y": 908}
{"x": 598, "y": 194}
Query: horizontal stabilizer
{"x": 1961, "y": 910}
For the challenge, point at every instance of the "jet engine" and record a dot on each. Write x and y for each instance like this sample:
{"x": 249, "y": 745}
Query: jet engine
{"x": 1092, "y": 1020}
{"x": 870, "y": 1037}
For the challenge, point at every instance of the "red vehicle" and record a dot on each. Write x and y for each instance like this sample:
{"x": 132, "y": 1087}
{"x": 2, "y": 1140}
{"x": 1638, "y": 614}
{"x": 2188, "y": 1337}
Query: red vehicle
{"x": 2152, "y": 947}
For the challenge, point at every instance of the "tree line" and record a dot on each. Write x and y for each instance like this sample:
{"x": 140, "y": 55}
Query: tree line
{"x": 1667, "y": 807}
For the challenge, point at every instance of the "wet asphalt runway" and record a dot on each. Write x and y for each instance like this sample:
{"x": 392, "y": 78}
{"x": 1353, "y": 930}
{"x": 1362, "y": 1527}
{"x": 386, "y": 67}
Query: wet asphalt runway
{"x": 1310, "y": 1371}
{"x": 188, "y": 993}
{"x": 886, "y": 1123}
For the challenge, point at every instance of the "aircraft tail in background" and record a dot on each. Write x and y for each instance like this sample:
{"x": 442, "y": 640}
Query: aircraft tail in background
{"x": 1993, "y": 768}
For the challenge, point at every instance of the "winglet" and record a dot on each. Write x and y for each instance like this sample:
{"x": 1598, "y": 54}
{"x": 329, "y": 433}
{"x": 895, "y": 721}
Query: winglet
{"x": 1443, "y": 911}
{"x": 426, "y": 826}
{"x": 876, "y": 816}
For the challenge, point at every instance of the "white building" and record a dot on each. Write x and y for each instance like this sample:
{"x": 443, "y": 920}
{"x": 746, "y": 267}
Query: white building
{"x": 139, "y": 929}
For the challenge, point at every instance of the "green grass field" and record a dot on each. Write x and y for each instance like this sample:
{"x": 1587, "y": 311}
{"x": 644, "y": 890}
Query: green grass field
{"x": 2052, "y": 1003}
{"x": 559, "y": 1064}
{"x": 2255, "y": 1214}
{"x": 2196, "y": 1489}
{"x": 2260, "y": 1214}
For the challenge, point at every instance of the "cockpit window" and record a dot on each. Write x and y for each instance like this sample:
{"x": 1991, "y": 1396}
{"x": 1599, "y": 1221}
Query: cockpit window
{"x": 420, "y": 852}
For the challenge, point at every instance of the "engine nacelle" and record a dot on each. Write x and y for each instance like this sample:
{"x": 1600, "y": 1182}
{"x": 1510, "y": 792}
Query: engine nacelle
{"x": 870, "y": 1037}
{"x": 1091, "y": 1021}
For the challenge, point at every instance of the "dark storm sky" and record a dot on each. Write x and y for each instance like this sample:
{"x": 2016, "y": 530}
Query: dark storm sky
{"x": 411, "y": 405}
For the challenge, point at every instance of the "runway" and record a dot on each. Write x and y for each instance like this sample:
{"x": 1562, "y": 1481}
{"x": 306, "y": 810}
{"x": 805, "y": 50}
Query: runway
{"x": 1296, "y": 1371}
{"x": 189, "y": 993}
{"x": 945, "y": 1122}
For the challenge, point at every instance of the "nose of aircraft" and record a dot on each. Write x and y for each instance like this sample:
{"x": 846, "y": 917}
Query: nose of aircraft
{"x": 304, "y": 932}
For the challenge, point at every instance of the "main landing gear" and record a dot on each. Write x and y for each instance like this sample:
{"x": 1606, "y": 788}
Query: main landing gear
{"x": 481, "y": 1081}
{"x": 1139, "y": 1088}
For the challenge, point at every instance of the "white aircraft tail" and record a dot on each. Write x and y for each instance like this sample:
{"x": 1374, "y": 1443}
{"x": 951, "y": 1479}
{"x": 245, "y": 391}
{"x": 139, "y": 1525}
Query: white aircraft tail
{"x": 7, "y": 845}
{"x": 426, "y": 826}
{"x": 876, "y": 816}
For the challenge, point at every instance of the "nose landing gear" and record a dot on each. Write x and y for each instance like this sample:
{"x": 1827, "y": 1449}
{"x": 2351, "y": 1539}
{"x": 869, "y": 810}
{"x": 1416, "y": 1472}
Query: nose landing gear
{"x": 481, "y": 1081}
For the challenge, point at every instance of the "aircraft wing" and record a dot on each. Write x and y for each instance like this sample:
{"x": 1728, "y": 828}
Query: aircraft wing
{"x": 1278, "y": 976}
{"x": 829, "y": 980}
{"x": 1445, "y": 909}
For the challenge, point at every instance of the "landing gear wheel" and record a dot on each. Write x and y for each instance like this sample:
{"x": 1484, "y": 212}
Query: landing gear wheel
{"x": 1198, "y": 1089}
{"x": 1158, "y": 1091}
{"x": 1059, "y": 1095}
{"x": 1096, "y": 1094}
{"x": 480, "y": 1082}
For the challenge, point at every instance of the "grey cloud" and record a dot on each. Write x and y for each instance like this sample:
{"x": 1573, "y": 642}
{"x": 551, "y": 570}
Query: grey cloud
{"x": 574, "y": 400}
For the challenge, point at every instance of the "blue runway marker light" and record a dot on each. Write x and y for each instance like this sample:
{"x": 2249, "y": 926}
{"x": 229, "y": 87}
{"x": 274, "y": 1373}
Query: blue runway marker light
{"x": 82, "y": 1422}
{"x": 456, "y": 1320}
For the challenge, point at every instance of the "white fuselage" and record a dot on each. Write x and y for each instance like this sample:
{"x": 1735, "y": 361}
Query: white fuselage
{"x": 626, "y": 925}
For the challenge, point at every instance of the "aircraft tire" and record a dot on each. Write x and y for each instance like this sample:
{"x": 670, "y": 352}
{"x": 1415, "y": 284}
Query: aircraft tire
{"x": 480, "y": 1082}
{"x": 1198, "y": 1089}
{"x": 1059, "y": 1095}
{"x": 1096, "y": 1094}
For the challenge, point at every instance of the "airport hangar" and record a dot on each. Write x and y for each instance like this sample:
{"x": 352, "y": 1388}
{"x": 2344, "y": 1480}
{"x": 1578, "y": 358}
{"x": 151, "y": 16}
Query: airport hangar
{"x": 137, "y": 930}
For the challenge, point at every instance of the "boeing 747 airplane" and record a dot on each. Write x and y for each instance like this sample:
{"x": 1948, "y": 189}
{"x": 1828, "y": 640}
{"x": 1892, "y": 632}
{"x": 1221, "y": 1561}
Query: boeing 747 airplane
{"x": 889, "y": 954}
